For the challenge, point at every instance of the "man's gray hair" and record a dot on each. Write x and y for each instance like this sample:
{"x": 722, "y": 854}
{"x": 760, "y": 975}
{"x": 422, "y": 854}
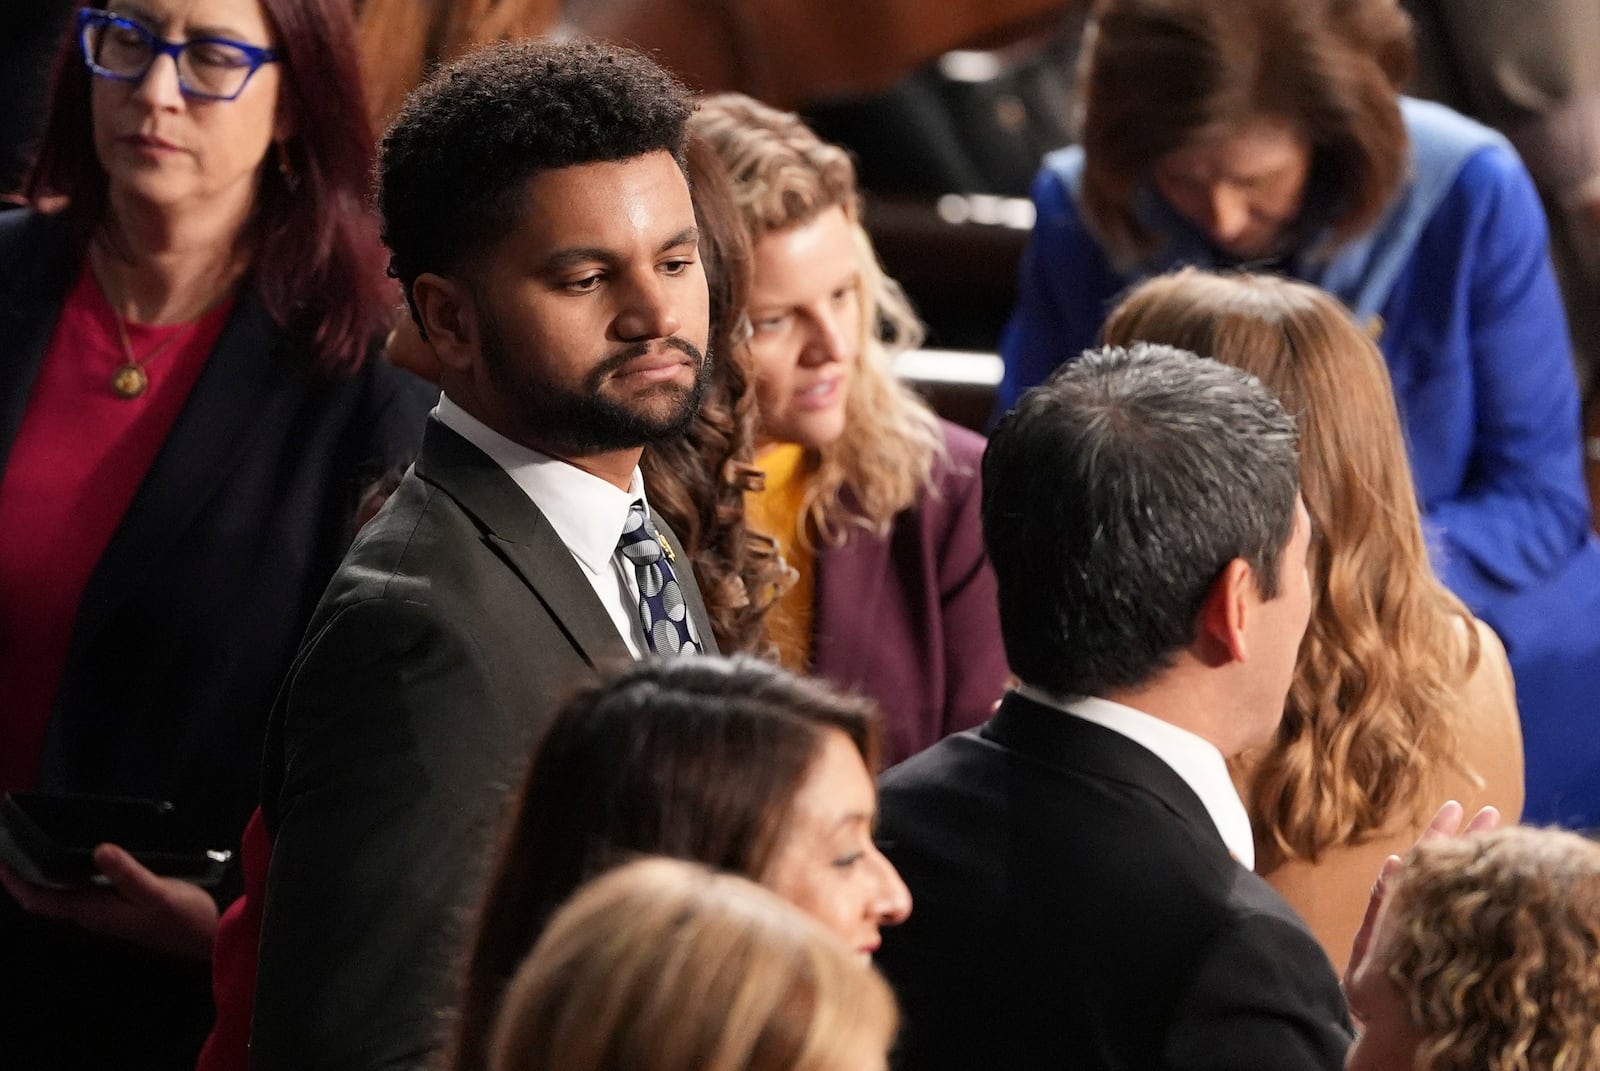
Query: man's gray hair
{"x": 1114, "y": 496}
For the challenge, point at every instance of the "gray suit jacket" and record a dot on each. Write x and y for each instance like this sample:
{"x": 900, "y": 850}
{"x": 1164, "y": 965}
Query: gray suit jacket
{"x": 454, "y": 628}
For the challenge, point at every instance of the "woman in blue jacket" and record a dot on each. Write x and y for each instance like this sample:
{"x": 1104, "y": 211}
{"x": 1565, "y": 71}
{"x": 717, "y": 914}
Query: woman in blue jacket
{"x": 1270, "y": 135}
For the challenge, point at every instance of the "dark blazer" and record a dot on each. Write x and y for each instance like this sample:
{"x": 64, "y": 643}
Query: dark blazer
{"x": 186, "y": 627}
{"x": 456, "y": 625}
{"x": 911, "y": 619}
{"x": 1076, "y": 908}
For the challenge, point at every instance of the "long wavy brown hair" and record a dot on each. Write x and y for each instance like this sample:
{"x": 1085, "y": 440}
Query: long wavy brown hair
{"x": 1493, "y": 939}
{"x": 1370, "y": 716}
{"x": 782, "y": 176}
{"x": 698, "y": 481}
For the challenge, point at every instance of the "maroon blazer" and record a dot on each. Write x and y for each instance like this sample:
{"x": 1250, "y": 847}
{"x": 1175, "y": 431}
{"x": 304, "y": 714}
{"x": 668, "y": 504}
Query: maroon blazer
{"x": 911, "y": 620}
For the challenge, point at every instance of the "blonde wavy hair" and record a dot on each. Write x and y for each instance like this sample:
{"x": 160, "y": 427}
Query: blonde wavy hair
{"x": 1493, "y": 939}
{"x": 663, "y": 965}
{"x": 1369, "y": 722}
{"x": 783, "y": 176}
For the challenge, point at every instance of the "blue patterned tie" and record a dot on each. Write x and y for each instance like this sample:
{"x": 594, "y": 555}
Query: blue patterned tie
{"x": 662, "y": 610}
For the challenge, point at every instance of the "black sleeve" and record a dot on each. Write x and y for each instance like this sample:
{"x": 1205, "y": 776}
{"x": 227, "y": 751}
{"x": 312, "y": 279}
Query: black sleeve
{"x": 1264, "y": 997}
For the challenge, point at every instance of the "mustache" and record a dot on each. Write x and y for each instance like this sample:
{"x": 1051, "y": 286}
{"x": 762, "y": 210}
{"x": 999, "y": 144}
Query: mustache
{"x": 639, "y": 349}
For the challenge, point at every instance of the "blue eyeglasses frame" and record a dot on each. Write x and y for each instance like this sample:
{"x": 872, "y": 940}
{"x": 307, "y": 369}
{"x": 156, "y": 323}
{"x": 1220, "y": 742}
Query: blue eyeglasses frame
{"x": 159, "y": 46}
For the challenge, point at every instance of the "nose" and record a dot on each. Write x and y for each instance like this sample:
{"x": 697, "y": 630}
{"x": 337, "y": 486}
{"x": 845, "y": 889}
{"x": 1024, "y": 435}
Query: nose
{"x": 1230, "y": 213}
{"x": 828, "y": 338}
{"x": 892, "y": 903}
{"x": 159, "y": 88}
{"x": 648, "y": 311}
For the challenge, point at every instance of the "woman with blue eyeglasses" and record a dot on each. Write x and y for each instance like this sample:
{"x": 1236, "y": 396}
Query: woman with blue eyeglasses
{"x": 188, "y": 415}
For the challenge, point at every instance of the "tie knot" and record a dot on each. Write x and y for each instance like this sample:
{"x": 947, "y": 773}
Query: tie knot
{"x": 639, "y": 543}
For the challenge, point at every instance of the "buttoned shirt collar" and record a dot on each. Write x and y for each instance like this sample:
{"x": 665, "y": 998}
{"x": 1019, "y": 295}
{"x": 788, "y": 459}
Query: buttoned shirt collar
{"x": 588, "y": 513}
{"x": 1191, "y": 757}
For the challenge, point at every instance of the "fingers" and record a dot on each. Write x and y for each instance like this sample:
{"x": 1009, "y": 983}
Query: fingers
{"x": 1391, "y": 866}
{"x": 35, "y": 899}
{"x": 14, "y": 885}
{"x": 1486, "y": 819}
{"x": 127, "y": 875}
{"x": 1369, "y": 920}
{"x": 1446, "y": 822}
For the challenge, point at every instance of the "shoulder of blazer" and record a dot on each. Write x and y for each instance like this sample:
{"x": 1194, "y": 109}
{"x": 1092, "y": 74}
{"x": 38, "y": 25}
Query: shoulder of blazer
{"x": 1057, "y": 739}
{"x": 36, "y": 258}
{"x": 37, "y": 264}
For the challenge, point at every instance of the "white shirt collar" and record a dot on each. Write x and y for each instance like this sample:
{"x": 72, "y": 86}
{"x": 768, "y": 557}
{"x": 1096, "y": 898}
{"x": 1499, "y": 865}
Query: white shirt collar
{"x": 587, "y": 512}
{"x": 1191, "y": 757}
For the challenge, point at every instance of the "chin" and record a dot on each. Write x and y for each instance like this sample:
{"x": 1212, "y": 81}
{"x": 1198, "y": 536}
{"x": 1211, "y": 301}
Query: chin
{"x": 669, "y": 416}
{"x": 819, "y": 433}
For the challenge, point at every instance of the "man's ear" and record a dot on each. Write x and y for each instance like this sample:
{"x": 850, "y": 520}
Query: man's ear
{"x": 1223, "y": 616}
{"x": 449, "y": 320}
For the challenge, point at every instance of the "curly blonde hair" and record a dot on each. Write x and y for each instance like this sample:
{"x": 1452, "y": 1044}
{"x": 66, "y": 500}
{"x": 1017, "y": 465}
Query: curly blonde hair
{"x": 1369, "y": 721}
{"x": 1493, "y": 939}
{"x": 783, "y": 176}
{"x": 663, "y": 965}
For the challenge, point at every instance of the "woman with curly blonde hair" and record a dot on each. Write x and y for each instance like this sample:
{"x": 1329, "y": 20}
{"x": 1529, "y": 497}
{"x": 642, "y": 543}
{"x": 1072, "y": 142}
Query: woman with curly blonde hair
{"x": 873, "y": 499}
{"x": 1400, "y": 698}
{"x": 1484, "y": 958}
{"x": 663, "y": 965}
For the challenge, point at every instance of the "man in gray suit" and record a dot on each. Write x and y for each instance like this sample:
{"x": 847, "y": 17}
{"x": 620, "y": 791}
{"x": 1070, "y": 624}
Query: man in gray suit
{"x": 535, "y": 203}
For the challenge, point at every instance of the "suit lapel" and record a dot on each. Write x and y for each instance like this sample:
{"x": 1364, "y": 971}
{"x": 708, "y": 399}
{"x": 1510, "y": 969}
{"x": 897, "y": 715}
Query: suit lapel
{"x": 517, "y": 532}
{"x": 249, "y": 385}
{"x": 244, "y": 388}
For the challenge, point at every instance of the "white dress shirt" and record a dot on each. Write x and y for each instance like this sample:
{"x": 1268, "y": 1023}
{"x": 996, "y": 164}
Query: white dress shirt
{"x": 587, "y": 513}
{"x": 1191, "y": 757}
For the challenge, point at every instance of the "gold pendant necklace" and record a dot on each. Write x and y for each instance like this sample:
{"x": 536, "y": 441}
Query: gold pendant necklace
{"x": 130, "y": 379}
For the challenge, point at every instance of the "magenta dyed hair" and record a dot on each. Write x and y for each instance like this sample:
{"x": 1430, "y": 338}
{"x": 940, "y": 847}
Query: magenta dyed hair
{"x": 318, "y": 262}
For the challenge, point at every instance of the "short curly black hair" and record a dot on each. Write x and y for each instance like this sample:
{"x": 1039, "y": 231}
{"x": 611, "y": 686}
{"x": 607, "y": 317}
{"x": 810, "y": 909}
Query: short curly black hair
{"x": 454, "y": 162}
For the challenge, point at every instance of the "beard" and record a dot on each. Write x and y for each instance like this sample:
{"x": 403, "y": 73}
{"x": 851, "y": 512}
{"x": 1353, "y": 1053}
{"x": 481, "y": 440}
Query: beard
{"x": 583, "y": 420}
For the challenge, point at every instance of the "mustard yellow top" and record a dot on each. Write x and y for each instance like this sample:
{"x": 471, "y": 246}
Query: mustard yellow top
{"x": 775, "y": 512}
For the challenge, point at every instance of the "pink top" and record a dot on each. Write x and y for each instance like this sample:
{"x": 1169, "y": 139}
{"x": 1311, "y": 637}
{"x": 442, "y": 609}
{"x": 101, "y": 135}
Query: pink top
{"x": 234, "y": 958}
{"x": 80, "y": 454}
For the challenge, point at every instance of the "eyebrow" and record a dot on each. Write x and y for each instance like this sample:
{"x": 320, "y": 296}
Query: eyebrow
{"x": 144, "y": 14}
{"x": 853, "y": 817}
{"x": 587, "y": 254}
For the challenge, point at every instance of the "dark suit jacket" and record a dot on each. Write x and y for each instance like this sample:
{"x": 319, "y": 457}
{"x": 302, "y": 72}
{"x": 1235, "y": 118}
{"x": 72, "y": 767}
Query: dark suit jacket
{"x": 186, "y": 628}
{"x": 456, "y": 625}
{"x": 911, "y": 620}
{"x": 1076, "y": 908}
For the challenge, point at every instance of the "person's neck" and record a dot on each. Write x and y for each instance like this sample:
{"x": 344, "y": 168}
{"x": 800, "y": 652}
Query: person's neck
{"x": 166, "y": 267}
{"x": 1188, "y": 696}
{"x": 616, "y": 467}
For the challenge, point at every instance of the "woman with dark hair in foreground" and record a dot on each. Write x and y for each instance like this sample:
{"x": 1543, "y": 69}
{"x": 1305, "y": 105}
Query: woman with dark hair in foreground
{"x": 732, "y": 763}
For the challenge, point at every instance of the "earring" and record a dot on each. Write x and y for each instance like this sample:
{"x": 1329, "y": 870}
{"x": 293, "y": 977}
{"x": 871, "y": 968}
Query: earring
{"x": 286, "y": 171}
